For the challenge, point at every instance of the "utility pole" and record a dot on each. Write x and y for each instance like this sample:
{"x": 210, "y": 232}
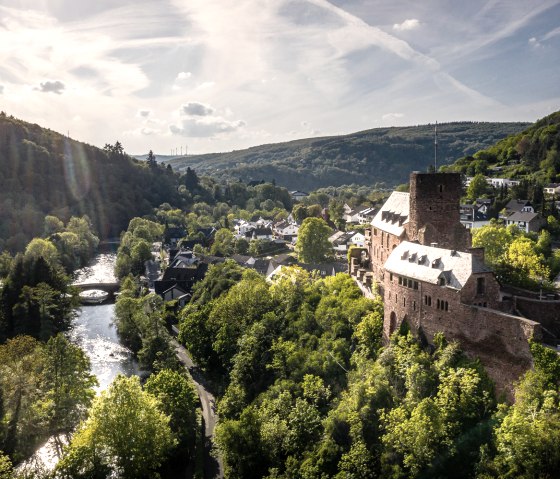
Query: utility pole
{"x": 435, "y": 148}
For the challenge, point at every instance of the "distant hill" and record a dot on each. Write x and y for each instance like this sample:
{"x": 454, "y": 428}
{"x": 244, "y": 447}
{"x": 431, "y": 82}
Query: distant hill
{"x": 532, "y": 154}
{"x": 378, "y": 156}
{"x": 43, "y": 172}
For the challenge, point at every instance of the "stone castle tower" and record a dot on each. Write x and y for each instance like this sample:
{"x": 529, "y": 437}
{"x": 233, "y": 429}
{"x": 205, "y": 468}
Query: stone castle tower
{"x": 434, "y": 211}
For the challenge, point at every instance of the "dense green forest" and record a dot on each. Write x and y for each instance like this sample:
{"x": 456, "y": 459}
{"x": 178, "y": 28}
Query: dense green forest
{"x": 45, "y": 173}
{"x": 382, "y": 156}
{"x": 533, "y": 154}
{"x": 308, "y": 391}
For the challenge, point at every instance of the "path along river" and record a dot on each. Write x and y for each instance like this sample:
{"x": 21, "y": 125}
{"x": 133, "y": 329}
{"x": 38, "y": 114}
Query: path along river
{"x": 94, "y": 331}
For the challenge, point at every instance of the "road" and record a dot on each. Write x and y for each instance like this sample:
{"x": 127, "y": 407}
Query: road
{"x": 213, "y": 468}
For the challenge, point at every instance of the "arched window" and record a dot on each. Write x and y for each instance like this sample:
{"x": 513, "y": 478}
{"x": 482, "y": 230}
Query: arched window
{"x": 392, "y": 322}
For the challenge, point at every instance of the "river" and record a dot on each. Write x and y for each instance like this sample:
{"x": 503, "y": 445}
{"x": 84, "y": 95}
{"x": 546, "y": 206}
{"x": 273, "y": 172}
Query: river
{"x": 94, "y": 331}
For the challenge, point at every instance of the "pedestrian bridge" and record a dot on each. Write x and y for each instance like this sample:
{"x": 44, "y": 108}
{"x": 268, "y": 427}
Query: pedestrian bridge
{"x": 110, "y": 288}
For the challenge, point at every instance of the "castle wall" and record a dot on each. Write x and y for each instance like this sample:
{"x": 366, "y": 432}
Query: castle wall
{"x": 498, "y": 339}
{"x": 546, "y": 313}
{"x": 380, "y": 246}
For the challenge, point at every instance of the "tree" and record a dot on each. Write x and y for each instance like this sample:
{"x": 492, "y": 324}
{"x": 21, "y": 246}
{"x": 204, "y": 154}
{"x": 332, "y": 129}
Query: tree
{"x": 41, "y": 248}
{"x": 495, "y": 239}
{"x": 299, "y": 213}
{"x": 526, "y": 263}
{"x": 178, "y": 399}
{"x": 223, "y": 243}
{"x": 70, "y": 384}
{"x": 125, "y": 434}
{"x": 478, "y": 187}
{"x": 20, "y": 383}
{"x": 151, "y": 160}
{"x": 313, "y": 244}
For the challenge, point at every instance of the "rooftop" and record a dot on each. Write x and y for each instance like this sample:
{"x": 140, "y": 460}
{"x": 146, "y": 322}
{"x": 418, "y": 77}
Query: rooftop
{"x": 394, "y": 214}
{"x": 430, "y": 264}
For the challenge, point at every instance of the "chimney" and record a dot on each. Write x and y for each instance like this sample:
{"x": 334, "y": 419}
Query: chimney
{"x": 477, "y": 253}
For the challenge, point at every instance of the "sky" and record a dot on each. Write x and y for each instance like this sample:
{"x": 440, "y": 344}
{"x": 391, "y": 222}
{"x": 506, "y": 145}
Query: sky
{"x": 202, "y": 76}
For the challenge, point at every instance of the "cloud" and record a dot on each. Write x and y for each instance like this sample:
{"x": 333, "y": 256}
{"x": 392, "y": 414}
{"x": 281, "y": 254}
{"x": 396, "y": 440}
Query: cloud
{"x": 144, "y": 113}
{"x": 534, "y": 42}
{"x": 197, "y": 109}
{"x": 1, "y": 89}
{"x": 388, "y": 117}
{"x": 205, "y": 127}
{"x": 552, "y": 33}
{"x": 184, "y": 75}
{"x": 49, "y": 86}
{"x": 409, "y": 24}
{"x": 148, "y": 131}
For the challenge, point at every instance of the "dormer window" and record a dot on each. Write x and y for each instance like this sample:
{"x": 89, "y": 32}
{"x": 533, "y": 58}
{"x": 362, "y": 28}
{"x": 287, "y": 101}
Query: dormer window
{"x": 441, "y": 281}
{"x": 435, "y": 263}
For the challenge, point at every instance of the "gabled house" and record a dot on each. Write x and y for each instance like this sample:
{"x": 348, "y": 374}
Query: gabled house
{"x": 298, "y": 195}
{"x": 286, "y": 231}
{"x": 172, "y": 235}
{"x": 552, "y": 189}
{"x": 526, "y": 221}
{"x": 182, "y": 275}
{"x": 259, "y": 233}
{"x": 365, "y": 216}
{"x": 473, "y": 216}
{"x": 517, "y": 206}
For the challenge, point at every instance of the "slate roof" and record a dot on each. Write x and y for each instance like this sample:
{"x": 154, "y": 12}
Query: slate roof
{"x": 522, "y": 216}
{"x": 429, "y": 264}
{"x": 517, "y": 205}
{"x": 394, "y": 213}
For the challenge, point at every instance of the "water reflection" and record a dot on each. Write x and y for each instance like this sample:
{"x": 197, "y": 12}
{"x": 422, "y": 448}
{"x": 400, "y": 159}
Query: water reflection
{"x": 94, "y": 331}
{"x": 101, "y": 270}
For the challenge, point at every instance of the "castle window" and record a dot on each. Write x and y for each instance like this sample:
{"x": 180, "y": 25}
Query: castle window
{"x": 438, "y": 304}
{"x": 480, "y": 285}
{"x": 414, "y": 305}
{"x": 440, "y": 187}
{"x": 446, "y": 306}
{"x": 400, "y": 279}
{"x": 391, "y": 277}
{"x": 415, "y": 284}
{"x": 410, "y": 283}
{"x": 396, "y": 298}
{"x": 404, "y": 301}
{"x": 429, "y": 300}
{"x": 375, "y": 231}
{"x": 387, "y": 241}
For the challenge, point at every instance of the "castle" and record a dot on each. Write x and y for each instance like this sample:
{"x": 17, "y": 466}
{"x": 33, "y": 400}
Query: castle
{"x": 419, "y": 256}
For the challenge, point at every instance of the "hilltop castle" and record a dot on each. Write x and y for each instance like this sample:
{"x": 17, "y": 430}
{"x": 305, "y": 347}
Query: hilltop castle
{"x": 420, "y": 257}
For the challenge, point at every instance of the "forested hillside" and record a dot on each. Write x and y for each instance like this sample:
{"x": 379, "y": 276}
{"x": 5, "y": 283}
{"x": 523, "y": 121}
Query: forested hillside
{"x": 533, "y": 154}
{"x": 45, "y": 173}
{"x": 381, "y": 155}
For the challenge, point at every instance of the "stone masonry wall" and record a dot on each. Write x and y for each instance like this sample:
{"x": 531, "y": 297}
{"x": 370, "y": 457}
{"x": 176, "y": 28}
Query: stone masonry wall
{"x": 498, "y": 339}
{"x": 546, "y": 313}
